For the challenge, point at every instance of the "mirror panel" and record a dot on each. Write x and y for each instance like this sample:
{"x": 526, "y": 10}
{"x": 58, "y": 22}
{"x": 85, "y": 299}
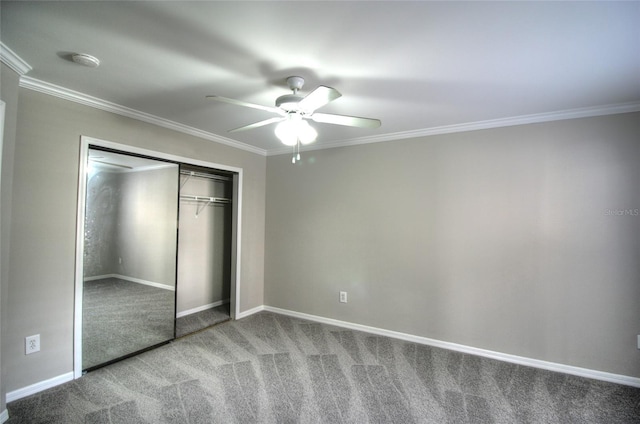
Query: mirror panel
{"x": 129, "y": 262}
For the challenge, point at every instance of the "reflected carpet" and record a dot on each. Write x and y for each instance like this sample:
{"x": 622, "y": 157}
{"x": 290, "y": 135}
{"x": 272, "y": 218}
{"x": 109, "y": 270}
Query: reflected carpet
{"x": 120, "y": 317}
{"x": 200, "y": 320}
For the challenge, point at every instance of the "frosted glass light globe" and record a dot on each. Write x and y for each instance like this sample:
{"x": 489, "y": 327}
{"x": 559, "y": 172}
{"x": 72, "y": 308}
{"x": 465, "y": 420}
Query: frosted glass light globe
{"x": 286, "y": 132}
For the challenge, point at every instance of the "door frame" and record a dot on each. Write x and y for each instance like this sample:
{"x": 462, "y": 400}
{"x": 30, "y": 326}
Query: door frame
{"x": 236, "y": 228}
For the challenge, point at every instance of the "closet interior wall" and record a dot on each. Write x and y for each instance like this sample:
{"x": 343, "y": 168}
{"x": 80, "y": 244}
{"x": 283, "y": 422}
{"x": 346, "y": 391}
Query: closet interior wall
{"x": 204, "y": 240}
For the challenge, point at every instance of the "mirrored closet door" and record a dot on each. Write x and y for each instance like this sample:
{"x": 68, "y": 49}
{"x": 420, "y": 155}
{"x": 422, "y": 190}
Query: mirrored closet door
{"x": 130, "y": 251}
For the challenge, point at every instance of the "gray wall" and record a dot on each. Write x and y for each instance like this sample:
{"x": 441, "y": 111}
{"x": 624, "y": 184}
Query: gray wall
{"x": 43, "y": 223}
{"x": 100, "y": 224}
{"x": 498, "y": 239}
{"x": 9, "y": 81}
{"x": 130, "y": 224}
{"x": 147, "y": 231}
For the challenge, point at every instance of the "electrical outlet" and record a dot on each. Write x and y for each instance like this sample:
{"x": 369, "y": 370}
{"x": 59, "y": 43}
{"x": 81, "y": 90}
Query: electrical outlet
{"x": 638, "y": 341}
{"x": 32, "y": 344}
{"x": 343, "y": 297}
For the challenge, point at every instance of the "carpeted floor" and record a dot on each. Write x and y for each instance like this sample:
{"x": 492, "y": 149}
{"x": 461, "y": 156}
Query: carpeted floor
{"x": 120, "y": 317}
{"x": 200, "y": 320}
{"x": 270, "y": 368}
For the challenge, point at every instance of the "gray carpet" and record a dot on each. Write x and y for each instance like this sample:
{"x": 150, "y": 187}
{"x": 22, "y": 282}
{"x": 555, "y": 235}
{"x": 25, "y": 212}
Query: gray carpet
{"x": 200, "y": 320}
{"x": 120, "y": 317}
{"x": 271, "y": 368}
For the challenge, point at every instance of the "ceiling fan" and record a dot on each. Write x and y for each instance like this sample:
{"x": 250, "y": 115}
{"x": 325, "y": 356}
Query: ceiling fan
{"x": 294, "y": 110}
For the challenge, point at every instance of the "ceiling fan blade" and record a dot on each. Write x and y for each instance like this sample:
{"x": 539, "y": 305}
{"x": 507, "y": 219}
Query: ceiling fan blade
{"x": 246, "y": 104}
{"x": 257, "y": 124}
{"x": 318, "y": 98}
{"x": 350, "y": 121}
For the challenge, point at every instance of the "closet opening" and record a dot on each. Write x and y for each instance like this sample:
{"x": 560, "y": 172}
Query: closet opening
{"x": 160, "y": 227}
{"x": 204, "y": 249}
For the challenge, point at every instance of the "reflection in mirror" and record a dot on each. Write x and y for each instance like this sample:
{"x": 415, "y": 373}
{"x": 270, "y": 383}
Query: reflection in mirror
{"x": 129, "y": 264}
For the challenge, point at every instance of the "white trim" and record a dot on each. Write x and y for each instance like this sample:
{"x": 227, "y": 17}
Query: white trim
{"x": 79, "y": 277}
{"x": 160, "y": 155}
{"x": 202, "y": 308}
{"x": 99, "y": 277}
{"x": 131, "y": 279}
{"x": 236, "y": 242}
{"x": 13, "y": 61}
{"x": 474, "y": 126}
{"x": 38, "y": 387}
{"x": 252, "y": 311}
{"x": 520, "y": 360}
{"x": 94, "y": 102}
{"x": 85, "y": 99}
{"x": 236, "y": 234}
{"x": 4, "y": 415}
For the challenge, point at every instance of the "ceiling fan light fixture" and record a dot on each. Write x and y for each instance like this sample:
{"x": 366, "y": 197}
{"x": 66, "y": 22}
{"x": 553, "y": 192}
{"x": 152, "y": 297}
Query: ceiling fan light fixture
{"x": 294, "y": 111}
{"x": 294, "y": 129}
{"x": 306, "y": 133}
{"x": 286, "y": 132}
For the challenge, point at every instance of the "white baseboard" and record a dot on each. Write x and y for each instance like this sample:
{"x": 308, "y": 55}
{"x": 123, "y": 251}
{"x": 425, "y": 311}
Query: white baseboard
{"x": 4, "y": 416}
{"x": 520, "y": 360}
{"x": 38, "y": 387}
{"x": 202, "y": 308}
{"x": 99, "y": 277}
{"x": 251, "y": 311}
{"x": 133, "y": 280}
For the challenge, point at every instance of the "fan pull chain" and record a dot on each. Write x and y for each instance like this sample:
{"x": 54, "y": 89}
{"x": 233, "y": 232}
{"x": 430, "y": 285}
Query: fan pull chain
{"x": 296, "y": 152}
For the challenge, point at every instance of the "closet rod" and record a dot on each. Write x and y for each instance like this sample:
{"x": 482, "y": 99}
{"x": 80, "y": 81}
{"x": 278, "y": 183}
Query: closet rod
{"x": 204, "y": 175}
{"x": 205, "y": 198}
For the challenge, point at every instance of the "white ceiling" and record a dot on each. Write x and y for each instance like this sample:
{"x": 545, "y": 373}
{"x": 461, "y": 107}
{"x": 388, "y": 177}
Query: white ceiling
{"x": 417, "y": 66}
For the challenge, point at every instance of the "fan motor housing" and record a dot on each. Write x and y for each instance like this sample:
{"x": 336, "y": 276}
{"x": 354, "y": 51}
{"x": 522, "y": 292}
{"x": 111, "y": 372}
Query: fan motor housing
{"x": 288, "y": 102}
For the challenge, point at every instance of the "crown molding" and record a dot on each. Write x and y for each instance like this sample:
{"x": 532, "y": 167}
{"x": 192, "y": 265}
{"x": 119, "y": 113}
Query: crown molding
{"x": 473, "y": 126}
{"x": 94, "y": 102}
{"x": 12, "y": 60}
{"x": 77, "y": 97}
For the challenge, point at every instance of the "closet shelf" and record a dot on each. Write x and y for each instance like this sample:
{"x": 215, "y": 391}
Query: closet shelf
{"x": 207, "y": 199}
{"x": 189, "y": 174}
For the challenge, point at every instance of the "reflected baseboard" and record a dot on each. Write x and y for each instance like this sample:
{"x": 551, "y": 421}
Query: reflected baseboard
{"x": 202, "y": 308}
{"x": 132, "y": 279}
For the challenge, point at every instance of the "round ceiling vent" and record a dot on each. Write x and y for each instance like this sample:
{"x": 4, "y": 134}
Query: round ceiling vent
{"x": 86, "y": 60}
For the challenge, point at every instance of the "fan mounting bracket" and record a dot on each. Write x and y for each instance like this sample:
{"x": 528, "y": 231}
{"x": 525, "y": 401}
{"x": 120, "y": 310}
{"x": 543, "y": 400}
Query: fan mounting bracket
{"x": 295, "y": 83}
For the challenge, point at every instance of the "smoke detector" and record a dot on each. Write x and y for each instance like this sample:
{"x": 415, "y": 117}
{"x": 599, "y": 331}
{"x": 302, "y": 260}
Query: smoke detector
{"x": 85, "y": 60}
